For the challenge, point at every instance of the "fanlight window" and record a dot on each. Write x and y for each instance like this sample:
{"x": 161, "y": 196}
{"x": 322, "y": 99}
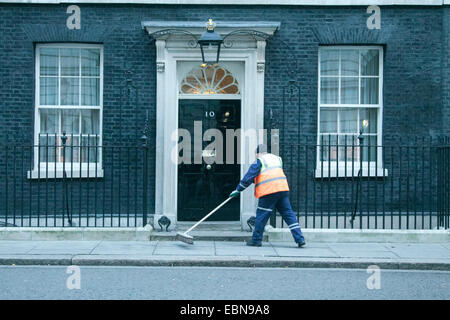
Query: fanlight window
{"x": 209, "y": 80}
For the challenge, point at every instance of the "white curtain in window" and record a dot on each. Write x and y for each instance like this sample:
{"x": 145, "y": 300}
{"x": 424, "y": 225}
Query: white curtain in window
{"x": 370, "y": 62}
{"x": 90, "y": 91}
{"x": 70, "y": 62}
{"x": 369, "y": 90}
{"x": 328, "y": 121}
{"x": 48, "y": 91}
{"x": 369, "y": 115}
{"x": 348, "y": 120}
{"x": 70, "y": 121}
{"x": 49, "y": 121}
{"x": 90, "y": 122}
{"x": 329, "y": 62}
{"x": 329, "y": 90}
{"x": 349, "y": 90}
{"x": 349, "y": 62}
{"x": 69, "y": 91}
{"x": 90, "y": 62}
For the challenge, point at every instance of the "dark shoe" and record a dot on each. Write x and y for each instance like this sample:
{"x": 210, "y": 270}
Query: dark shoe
{"x": 253, "y": 244}
{"x": 301, "y": 244}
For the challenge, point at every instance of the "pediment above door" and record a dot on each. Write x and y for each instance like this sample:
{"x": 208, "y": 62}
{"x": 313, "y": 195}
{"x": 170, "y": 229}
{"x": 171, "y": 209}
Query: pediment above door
{"x": 236, "y": 34}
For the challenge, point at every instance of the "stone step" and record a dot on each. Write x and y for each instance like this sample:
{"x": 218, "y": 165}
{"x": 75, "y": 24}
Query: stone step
{"x": 206, "y": 235}
{"x": 208, "y": 226}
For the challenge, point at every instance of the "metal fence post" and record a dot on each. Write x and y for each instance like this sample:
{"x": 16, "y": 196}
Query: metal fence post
{"x": 144, "y": 179}
{"x": 447, "y": 184}
{"x": 359, "y": 182}
{"x": 440, "y": 183}
{"x": 66, "y": 191}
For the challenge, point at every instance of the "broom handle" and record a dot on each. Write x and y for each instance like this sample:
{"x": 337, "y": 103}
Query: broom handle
{"x": 205, "y": 217}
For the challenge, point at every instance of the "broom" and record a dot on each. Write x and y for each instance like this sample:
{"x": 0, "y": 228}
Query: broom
{"x": 185, "y": 237}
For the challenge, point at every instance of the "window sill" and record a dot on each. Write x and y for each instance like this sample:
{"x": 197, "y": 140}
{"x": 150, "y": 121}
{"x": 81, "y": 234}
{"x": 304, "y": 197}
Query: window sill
{"x": 70, "y": 174}
{"x": 343, "y": 172}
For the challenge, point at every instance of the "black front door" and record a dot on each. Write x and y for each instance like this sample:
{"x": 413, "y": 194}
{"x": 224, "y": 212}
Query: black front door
{"x": 204, "y": 185}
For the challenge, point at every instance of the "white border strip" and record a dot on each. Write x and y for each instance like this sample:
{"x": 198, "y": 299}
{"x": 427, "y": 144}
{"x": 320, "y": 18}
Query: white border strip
{"x": 247, "y": 2}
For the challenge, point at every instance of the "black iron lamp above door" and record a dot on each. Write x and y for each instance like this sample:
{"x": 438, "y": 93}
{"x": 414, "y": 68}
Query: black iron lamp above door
{"x": 211, "y": 41}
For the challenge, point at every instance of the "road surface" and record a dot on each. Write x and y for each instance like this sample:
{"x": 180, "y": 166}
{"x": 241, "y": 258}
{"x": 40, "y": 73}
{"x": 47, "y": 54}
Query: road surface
{"x": 50, "y": 282}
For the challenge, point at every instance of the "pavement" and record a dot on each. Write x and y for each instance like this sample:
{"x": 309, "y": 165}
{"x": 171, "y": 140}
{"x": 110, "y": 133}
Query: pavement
{"x": 406, "y": 256}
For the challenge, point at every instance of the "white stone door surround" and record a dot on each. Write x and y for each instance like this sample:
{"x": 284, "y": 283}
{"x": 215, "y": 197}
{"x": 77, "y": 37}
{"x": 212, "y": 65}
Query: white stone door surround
{"x": 174, "y": 48}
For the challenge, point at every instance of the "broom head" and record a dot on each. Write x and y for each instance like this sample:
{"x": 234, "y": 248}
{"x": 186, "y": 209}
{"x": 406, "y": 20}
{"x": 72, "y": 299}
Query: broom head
{"x": 184, "y": 237}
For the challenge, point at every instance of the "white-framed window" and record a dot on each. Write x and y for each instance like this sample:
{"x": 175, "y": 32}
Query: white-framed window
{"x": 350, "y": 100}
{"x": 69, "y": 100}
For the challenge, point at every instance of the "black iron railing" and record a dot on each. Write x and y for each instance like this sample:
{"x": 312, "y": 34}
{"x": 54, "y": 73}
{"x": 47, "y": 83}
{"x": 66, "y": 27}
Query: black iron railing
{"x": 74, "y": 184}
{"x": 335, "y": 183}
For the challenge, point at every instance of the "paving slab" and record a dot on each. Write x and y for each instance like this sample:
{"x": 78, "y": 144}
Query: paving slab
{"x": 200, "y": 248}
{"x": 241, "y": 249}
{"x": 365, "y": 254}
{"x": 289, "y": 249}
{"x": 63, "y": 247}
{"x": 357, "y": 246}
{"x": 419, "y": 251}
{"x": 125, "y": 247}
{"x": 362, "y": 250}
{"x": 16, "y": 247}
{"x": 292, "y": 244}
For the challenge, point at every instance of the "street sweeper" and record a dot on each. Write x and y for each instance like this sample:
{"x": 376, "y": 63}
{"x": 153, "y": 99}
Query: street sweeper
{"x": 272, "y": 191}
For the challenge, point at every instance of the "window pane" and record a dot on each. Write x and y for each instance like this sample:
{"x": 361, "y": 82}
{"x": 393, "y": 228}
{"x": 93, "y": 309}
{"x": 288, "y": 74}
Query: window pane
{"x": 328, "y": 150}
{"x": 369, "y": 149}
{"x": 329, "y": 90}
{"x": 89, "y": 150}
{"x": 368, "y": 116}
{"x": 328, "y": 121}
{"x": 90, "y": 121}
{"x": 348, "y": 119}
{"x": 48, "y": 91}
{"x": 49, "y": 121}
{"x": 69, "y": 91}
{"x": 90, "y": 62}
{"x": 348, "y": 148}
{"x": 329, "y": 62}
{"x": 369, "y": 90}
{"x": 72, "y": 149}
{"x": 48, "y": 61}
{"x": 90, "y": 91}
{"x": 370, "y": 62}
{"x": 70, "y": 62}
{"x": 47, "y": 150}
{"x": 349, "y": 90}
{"x": 350, "y": 62}
{"x": 70, "y": 121}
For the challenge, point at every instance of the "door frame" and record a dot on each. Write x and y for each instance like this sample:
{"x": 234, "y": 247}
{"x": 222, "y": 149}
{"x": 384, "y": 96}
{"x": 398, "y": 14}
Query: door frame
{"x": 251, "y": 53}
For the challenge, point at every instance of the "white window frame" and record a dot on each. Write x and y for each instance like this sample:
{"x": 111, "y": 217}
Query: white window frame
{"x": 77, "y": 170}
{"x": 338, "y": 169}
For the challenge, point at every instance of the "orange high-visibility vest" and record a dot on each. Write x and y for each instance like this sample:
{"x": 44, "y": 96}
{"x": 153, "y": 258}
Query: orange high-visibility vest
{"x": 271, "y": 178}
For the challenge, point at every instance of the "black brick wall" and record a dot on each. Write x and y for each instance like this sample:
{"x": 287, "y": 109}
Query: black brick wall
{"x": 416, "y": 42}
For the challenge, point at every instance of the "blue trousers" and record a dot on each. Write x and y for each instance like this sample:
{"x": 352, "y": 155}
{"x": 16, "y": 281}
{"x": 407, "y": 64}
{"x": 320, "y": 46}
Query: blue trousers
{"x": 280, "y": 201}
